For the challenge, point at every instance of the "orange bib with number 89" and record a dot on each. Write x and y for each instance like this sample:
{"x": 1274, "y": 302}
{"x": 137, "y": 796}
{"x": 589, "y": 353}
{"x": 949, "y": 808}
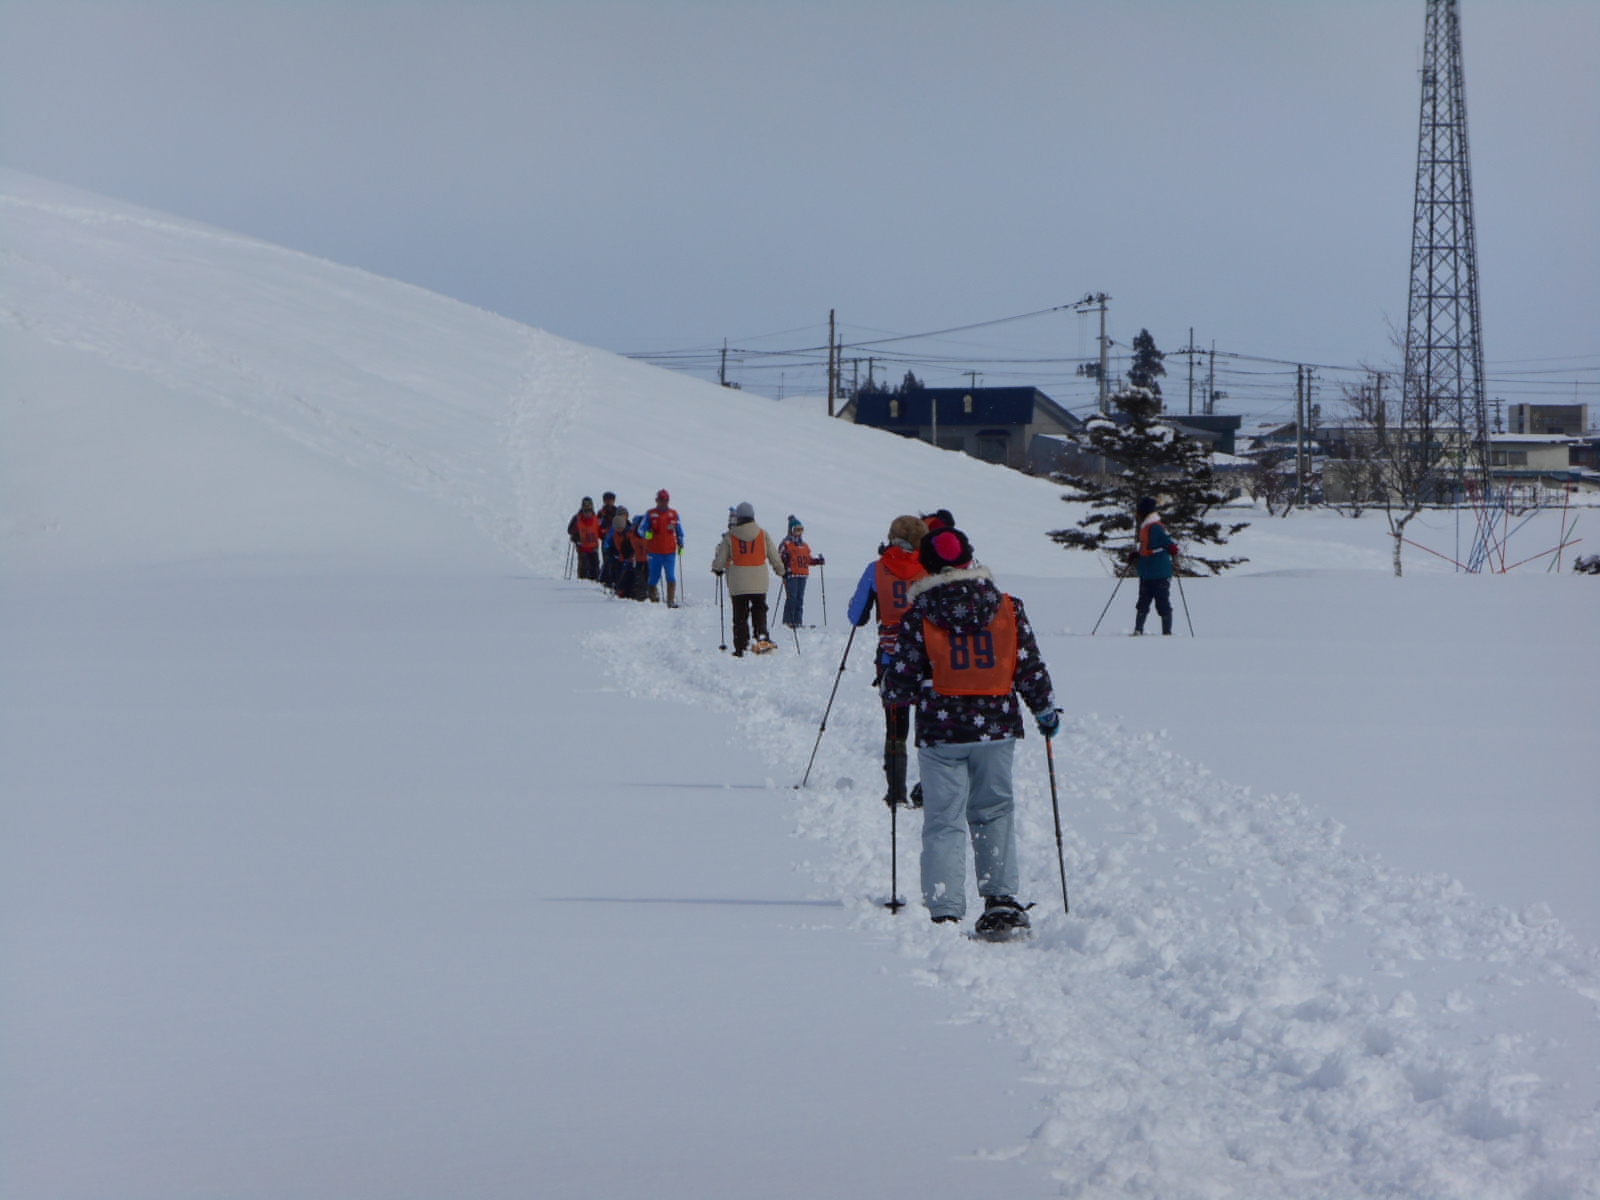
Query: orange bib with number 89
{"x": 981, "y": 663}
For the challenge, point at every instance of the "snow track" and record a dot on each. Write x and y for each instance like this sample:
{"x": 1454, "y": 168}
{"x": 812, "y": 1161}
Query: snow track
{"x": 1240, "y": 1004}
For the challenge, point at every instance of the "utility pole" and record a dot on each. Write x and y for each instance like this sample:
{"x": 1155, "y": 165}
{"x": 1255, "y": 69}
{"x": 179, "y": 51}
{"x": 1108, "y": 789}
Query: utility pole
{"x": 722, "y": 371}
{"x": 1191, "y": 350}
{"x": 833, "y": 364}
{"x": 1301, "y": 391}
{"x": 1087, "y": 304}
{"x": 1105, "y": 357}
{"x": 973, "y": 375}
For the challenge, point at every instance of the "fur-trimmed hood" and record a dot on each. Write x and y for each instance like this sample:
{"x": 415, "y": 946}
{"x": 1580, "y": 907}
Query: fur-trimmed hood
{"x": 961, "y": 599}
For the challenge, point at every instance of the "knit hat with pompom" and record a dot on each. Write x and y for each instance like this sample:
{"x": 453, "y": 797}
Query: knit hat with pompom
{"x": 945, "y": 550}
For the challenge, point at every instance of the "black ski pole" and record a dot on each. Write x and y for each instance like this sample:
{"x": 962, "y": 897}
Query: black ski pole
{"x": 722, "y": 618}
{"x": 1055, "y": 808}
{"x": 895, "y": 903}
{"x": 821, "y": 729}
{"x": 795, "y": 629}
{"x": 822, "y": 573}
{"x": 1109, "y": 603}
{"x": 566, "y": 571}
{"x": 1185, "y": 599}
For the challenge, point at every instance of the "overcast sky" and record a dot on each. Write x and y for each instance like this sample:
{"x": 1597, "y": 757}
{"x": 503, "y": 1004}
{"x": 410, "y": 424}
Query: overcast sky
{"x": 648, "y": 176}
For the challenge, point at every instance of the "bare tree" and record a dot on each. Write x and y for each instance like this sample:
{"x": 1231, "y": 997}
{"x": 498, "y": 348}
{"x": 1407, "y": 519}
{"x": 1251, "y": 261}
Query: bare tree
{"x": 1270, "y": 484}
{"x": 1399, "y": 456}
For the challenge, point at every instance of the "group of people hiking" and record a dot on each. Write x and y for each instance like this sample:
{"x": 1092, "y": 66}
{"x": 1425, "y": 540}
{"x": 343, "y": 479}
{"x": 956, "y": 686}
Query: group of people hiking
{"x": 634, "y": 556}
{"x": 951, "y": 647}
{"x": 631, "y": 556}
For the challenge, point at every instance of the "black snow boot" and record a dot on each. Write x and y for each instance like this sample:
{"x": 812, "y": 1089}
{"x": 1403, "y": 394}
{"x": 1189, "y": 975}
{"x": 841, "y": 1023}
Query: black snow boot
{"x": 1003, "y": 920}
{"x": 894, "y": 771}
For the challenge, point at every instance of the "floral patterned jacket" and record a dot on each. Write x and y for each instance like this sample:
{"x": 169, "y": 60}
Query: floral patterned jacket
{"x": 963, "y": 601}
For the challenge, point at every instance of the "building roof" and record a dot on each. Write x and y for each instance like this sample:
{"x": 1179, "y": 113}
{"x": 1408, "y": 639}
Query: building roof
{"x": 1536, "y": 439}
{"x": 990, "y": 406}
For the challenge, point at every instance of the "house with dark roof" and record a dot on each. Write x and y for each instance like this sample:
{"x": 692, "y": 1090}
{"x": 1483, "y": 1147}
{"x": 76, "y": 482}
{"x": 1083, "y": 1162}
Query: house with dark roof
{"x": 996, "y": 424}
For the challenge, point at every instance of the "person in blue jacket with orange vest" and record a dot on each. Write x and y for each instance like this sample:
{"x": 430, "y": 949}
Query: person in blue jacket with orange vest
{"x": 966, "y": 656}
{"x": 664, "y": 533}
{"x": 885, "y": 586}
{"x": 1154, "y": 558}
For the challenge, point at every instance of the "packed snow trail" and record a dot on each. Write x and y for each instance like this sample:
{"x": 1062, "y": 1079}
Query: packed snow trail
{"x": 1222, "y": 1013}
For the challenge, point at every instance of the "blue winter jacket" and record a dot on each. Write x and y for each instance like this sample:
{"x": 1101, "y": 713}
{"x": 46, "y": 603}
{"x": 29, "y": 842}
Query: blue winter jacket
{"x": 1158, "y": 563}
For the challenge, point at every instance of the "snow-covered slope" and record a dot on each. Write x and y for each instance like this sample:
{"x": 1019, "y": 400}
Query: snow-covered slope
{"x": 507, "y": 424}
{"x": 340, "y": 863}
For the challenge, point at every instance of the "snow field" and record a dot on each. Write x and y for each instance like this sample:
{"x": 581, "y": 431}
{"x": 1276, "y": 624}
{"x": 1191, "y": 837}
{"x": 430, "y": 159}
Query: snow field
{"x": 1239, "y": 1004}
{"x": 1246, "y": 1000}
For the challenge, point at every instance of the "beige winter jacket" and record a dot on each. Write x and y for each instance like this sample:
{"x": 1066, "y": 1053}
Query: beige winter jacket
{"x": 747, "y": 581}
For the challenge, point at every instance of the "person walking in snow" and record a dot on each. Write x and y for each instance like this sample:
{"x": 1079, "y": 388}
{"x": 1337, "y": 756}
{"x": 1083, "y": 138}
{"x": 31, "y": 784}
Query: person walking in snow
{"x": 619, "y": 546}
{"x": 797, "y": 563}
{"x": 584, "y": 532}
{"x": 664, "y": 533}
{"x": 744, "y": 554}
{"x": 884, "y": 586}
{"x": 608, "y": 558}
{"x": 1155, "y": 558}
{"x": 964, "y": 656}
{"x": 641, "y": 557}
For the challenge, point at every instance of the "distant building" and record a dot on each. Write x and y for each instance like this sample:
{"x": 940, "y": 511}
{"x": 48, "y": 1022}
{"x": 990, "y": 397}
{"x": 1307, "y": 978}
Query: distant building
{"x": 1550, "y": 460}
{"x": 1568, "y": 420}
{"x": 995, "y": 424}
{"x": 1218, "y": 431}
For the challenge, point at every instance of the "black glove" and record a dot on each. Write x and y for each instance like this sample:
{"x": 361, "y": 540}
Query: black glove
{"x": 716, "y": 571}
{"x": 1049, "y": 722}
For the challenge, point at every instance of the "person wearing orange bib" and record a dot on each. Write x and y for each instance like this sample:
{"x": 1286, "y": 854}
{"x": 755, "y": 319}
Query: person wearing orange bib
{"x": 585, "y": 533}
{"x": 797, "y": 563}
{"x": 885, "y": 586}
{"x": 964, "y": 657}
{"x": 744, "y": 555}
{"x": 663, "y": 533}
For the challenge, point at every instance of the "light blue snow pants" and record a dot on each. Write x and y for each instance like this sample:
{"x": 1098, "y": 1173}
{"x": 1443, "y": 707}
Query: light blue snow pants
{"x": 966, "y": 787}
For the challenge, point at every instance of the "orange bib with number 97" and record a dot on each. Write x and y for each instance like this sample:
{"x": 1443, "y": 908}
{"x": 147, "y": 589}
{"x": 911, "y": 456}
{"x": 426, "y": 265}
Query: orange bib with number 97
{"x": 981, "y": 663}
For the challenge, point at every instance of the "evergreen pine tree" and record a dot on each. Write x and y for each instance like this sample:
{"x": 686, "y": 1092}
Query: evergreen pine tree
{"x": 1145, "y": 457}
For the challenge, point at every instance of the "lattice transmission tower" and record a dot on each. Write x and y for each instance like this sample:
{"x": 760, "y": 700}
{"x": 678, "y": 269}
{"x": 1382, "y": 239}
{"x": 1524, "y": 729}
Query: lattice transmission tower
{"x": 1444, "y": 384}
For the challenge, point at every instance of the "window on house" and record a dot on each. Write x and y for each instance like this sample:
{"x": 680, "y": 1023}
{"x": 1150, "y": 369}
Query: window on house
{"x": 966, "y": 403}
{"x": 894, "y": 410}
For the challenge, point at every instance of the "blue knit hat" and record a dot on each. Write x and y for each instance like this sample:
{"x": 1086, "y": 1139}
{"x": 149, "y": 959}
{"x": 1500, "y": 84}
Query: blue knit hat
{"x": 794, "y": 523}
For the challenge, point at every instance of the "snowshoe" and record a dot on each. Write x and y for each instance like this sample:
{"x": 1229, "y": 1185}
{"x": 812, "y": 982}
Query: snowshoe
{"x": 1003, "y": 920}
{"x": 916, "y": 795}
{"x": 762, "y": 646}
